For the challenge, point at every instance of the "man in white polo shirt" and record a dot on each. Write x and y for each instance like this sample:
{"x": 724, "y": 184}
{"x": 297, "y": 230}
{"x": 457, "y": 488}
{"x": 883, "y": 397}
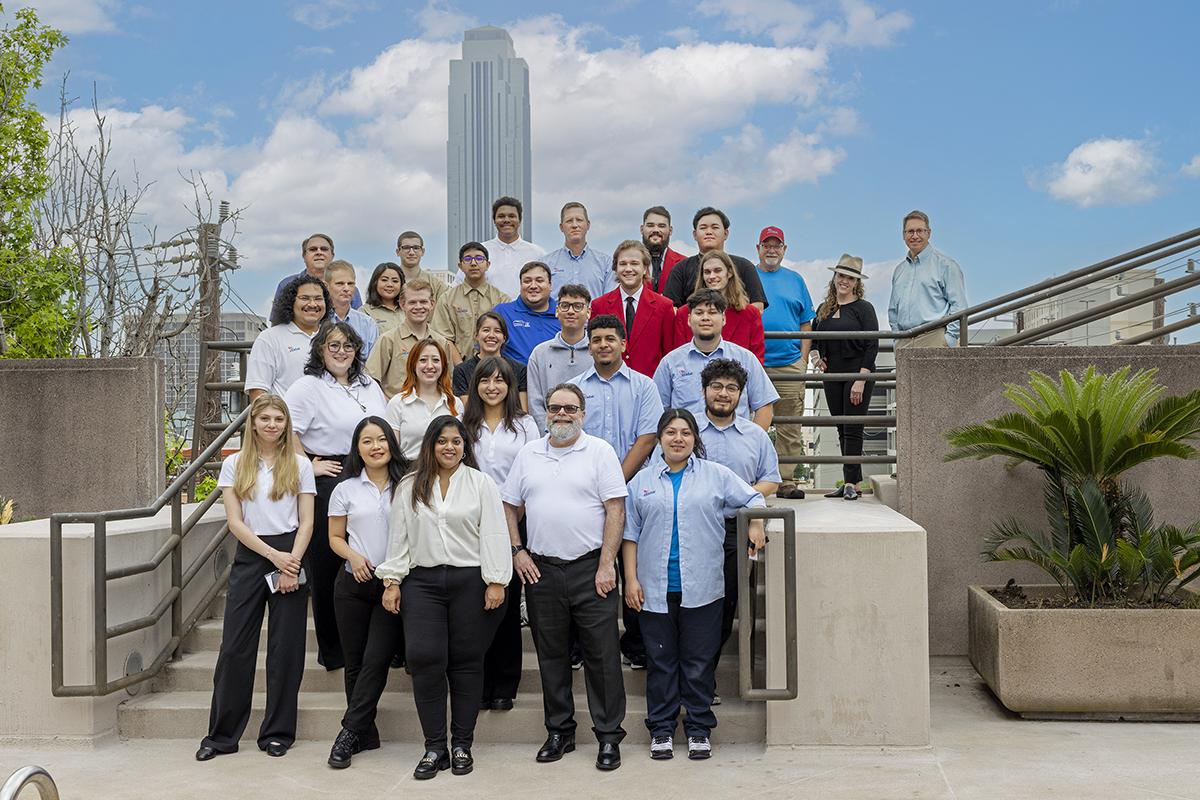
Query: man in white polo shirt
{"x": 279, "y": 354}
{"x": 572, "y": 489}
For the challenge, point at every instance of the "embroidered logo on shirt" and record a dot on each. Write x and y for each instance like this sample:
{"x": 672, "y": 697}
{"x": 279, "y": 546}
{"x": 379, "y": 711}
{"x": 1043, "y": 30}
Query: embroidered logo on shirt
{"x": 520, "y": 323}
{"x": 294, "y": 348}
{"x": 648, "y": 492}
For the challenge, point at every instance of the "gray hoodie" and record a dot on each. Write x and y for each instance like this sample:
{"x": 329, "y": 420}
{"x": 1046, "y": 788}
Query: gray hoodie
{"x": 551, "y": 363}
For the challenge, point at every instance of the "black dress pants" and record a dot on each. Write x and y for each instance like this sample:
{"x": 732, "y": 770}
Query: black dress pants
{"x": 233, "y": 680}
{"x": 850, "y": 437}
{"x": 632, "y": 646}
{"x": 563, "y": 597}
{"x": 680, "y": 666}
{"x": 729, "y": 603}
{"x": 371, "y": 638}
{"x": 323, "y": 568}
{"x": 502, "y": 662}
{"x": 447, "y": 632}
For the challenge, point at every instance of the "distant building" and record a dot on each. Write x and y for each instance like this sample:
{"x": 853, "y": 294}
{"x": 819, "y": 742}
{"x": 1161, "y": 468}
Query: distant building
{"x": 488, "y": 149}
{"x": 1125, "y": 324}
{"x": 181, "y": 364}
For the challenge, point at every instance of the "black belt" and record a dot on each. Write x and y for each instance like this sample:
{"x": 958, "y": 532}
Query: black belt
{"x": 311, "y": 456}
{"x": 564, "y": 562}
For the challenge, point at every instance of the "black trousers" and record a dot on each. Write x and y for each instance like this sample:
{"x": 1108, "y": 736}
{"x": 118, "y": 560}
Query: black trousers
{"x": 323, "y": 568}
{"x": 680, "y": 666}
{"x": 447, "y": 633}
{"x": 233, "y": 680}
{"x": 565, "y": 595}
{"x": 850, "y": 437}
{"x": 502, "y": 662}
{"x": 729, "y": 602}
{"x": 632, "y": 646}
{"x": 371, "y": 638}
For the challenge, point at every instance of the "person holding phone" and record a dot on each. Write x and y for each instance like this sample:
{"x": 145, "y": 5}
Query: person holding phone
{"x": 358, "y": 532}
{"x": 268, "y": 493}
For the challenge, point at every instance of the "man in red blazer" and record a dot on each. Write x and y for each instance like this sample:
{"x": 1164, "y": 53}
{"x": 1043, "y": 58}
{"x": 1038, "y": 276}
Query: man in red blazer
{"x": 656, "y": 236}
{"x": 649, "y": 317}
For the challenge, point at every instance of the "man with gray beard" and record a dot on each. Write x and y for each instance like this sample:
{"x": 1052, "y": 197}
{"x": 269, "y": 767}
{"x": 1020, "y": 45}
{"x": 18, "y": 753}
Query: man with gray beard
{"x": 571, "y": 488}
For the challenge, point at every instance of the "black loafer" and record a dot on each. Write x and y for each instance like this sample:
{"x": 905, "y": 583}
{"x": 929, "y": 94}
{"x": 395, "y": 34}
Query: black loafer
{"x": 502, "y": 704}
{"x": 431, "y": 764}
{"x": 206, "y": 753}
{"x": 460, "y": 761}
{"x": 609, "y": 756}
{"x": 838, "y": 492}
{"x": 556, "y": 746}
{"x": 276, "y": 749}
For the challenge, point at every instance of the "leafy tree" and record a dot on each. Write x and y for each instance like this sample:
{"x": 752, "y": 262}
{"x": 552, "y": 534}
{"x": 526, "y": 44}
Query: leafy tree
{"x": 36, "y": 288}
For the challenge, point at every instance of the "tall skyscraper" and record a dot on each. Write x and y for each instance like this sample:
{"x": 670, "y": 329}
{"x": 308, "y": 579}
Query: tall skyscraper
{"x": 488, "y": 149}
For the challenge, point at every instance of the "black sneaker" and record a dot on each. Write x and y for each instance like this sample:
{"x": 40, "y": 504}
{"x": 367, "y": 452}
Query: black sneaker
{"x": 634, "y": 662}
{"x": 577, "y": 661}
{"x": 344, "y": 747}
{"x": 699, "y": 748}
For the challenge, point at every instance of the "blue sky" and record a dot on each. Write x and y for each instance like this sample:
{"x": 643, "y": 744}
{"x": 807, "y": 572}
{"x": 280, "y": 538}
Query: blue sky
{"x": 1040, "y": 136}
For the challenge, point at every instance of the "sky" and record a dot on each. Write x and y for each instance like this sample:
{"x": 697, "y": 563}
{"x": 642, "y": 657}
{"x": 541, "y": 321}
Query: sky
{"x": 1038, "y": 136}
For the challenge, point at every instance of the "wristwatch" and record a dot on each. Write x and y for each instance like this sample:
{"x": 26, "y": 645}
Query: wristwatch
{"x": 518, "y": 548}
{"x": 390, "y": 582}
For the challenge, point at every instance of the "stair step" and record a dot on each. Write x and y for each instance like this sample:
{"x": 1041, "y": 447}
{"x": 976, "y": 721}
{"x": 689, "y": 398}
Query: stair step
{"x": 184, "y": 715}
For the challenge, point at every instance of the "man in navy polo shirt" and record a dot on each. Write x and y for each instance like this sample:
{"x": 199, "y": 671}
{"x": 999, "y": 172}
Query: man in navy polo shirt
{"x": 317, "y": 252}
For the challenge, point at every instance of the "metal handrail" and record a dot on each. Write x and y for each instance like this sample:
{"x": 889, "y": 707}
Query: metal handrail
{"x": 746, "y": 624}
{"x": 25, "y": 776}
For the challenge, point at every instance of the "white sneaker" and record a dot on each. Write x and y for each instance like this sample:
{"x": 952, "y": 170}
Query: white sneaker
{"x": 716, "y": 701}
{"x": 699, "y": 747}
{"x": 662, "y": 747}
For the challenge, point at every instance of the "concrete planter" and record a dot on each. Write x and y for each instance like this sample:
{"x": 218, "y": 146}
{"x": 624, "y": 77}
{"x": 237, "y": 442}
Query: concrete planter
{"x": 1086, "y": 663}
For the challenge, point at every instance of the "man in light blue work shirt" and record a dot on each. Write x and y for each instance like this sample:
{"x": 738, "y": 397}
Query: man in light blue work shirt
{"x": 576, "y": 261}
{"x": 531, "y": 318}
{"x": 791, "y": 309}
{"x": 678, "y": 374}
{"x": 927, "y": 285}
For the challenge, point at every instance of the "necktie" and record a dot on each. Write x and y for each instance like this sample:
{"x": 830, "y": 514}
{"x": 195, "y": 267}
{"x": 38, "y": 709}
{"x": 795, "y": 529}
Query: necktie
{"x": 656, "y": 270}
{"x": 628, "y": 315}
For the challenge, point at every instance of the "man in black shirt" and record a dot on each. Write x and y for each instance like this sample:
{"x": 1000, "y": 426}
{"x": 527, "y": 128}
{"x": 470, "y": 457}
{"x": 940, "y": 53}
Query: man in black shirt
{"x": 710, "y": 226}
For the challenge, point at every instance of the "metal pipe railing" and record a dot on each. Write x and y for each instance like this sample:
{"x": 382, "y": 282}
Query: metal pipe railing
{"x": 745, "y": 615}
{"x": 29, "y": 776}
{"x": 1165, "y": 330}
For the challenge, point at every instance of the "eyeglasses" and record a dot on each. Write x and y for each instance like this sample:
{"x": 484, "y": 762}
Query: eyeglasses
{"x": 411, "y": 248}
{"x": 340, "y": 347}
{"x": 474, "y": 259}
{"x": 732, "y": 388}
{"x": 769, "y": 246}
{"x": 573, "y": 306}
{"x": 559, "y": 408}
{"x": 916, "y": 231}
{"x": 310, "y": 298}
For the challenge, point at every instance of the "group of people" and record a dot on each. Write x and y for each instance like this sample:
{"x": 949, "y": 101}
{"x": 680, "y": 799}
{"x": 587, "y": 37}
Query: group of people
{"x": 416, "y": 462}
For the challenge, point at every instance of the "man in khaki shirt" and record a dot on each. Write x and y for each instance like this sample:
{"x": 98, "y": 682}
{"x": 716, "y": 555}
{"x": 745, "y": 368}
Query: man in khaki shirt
{"x": 458, "y": 309}
{"x": 388, "y": 362}
{"x": 410, "y": 249}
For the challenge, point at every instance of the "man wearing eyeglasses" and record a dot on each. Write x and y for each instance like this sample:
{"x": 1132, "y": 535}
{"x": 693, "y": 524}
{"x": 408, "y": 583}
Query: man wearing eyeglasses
{"x": 563, "y": 356}
{"x": 927, "y": 285}
{"x": 410, "y": 249}
{"x": 570, "y": 487}
{"x": 455, "y": 314}
{"x": 317, "y": 252}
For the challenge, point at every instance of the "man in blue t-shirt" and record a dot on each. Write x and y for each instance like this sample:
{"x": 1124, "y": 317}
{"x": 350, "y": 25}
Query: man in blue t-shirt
{"x": 790, "y": 309}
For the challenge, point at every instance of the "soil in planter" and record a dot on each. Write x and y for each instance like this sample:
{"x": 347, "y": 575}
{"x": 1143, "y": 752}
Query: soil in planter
{"x": 1013, "y": 596}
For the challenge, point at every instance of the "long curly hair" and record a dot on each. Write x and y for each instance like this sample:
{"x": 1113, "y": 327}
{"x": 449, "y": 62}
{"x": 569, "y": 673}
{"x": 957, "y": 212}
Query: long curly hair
{"x": 283, "y": 310}
{"x": 830, "y": 304}
{"x": 316, "y": 358}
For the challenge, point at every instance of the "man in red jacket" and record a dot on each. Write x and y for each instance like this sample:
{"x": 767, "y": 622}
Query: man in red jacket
{"x": 648, "y": 316}
{"x": 656, "y": 236}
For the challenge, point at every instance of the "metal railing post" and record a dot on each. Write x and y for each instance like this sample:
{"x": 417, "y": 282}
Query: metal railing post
{"x": 56, "y": 606}
{"x": 100, "y": 600}
{"x": 177, "y": 569}
{"x": 746, "y": 619}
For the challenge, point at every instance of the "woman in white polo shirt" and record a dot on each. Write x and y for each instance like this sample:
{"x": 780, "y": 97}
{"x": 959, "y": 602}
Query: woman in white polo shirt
{"x": 426, "y": 393}
{"x": 358, "y": 533}
{"x": 449, "y": 561}
{"x": 498, "y": 428}
{"x": 327, "y": 403}
{"x": 268, "y": 494}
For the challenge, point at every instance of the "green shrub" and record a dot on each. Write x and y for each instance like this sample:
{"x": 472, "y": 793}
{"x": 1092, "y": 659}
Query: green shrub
{"x": 204, "y": 488}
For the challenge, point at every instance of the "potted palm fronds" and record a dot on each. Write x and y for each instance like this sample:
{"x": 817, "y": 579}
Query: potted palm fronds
{"x": 1117, "y": 633}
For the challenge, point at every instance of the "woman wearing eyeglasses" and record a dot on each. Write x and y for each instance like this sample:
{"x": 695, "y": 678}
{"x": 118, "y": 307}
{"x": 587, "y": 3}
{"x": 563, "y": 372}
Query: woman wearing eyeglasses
{"x": 326, "y": 404}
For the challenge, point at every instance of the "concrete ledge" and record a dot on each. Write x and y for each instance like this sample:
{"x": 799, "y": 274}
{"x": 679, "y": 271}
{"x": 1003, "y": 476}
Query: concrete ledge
{"x": 886, "y": 490}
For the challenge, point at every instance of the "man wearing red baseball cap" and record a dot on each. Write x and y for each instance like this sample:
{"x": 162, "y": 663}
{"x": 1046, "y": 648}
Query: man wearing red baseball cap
{"x": 790, "y": 308}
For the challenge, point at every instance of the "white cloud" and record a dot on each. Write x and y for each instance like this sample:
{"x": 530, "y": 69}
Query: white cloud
{"x": 76, "y": 16}
{"x": 1192, "y": 168}
{"x": 325, "y": 14}
{"x": 1104, "y": 172}
{"x": 785, "y": 22}
{"x": 439, "y": 21}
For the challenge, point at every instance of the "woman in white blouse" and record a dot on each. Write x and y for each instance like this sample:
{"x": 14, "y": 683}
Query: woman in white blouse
{"x": 449, "y": 560}
{"x": 326, "y": 403}
{"x": 268, "y": 493}
{"x": 358, "y": 532}
{"x": 498, "y": 427}
{"x": 426, "y": 393}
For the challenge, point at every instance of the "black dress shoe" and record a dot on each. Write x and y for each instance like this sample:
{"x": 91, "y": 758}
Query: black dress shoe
{"x": 206, "y": 753}
{"x": 431, "y": 764}
{"x": 276, "y": 749}
{"x": 502, "y": 704}
{"x": 485, "y": 704}
{"x": 344, "y": 747}
{"x": 838, "y": 492}
{"x": 609, "y": 756}
{"x": 460, "y": 761}
{"x": 556, "y": 746}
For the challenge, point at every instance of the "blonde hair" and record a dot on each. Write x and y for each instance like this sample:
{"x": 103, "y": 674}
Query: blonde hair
{"x": 830, "y": 304}
{"x": 334, "y": 267}
{"x": 285, "y": 474}
{"x": 735, "y": 290}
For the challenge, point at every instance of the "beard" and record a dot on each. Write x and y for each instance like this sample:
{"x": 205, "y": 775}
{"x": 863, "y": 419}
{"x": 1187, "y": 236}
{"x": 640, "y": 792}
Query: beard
{"x": 562, "y": 431}
{"x": 655, "y": 249}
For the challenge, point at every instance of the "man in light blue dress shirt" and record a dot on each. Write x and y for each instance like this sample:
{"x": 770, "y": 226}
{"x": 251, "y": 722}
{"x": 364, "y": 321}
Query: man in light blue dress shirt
{"x": 576, "y": 261}
{"x": 678, "y": 374}
{"x": 927, "y": 285}
{"x": 339, "y": 277}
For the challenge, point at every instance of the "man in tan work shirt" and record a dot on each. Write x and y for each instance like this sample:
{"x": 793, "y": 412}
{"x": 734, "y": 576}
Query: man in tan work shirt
{"x": 388, "y": 360}
{"x": 458, "y": 309}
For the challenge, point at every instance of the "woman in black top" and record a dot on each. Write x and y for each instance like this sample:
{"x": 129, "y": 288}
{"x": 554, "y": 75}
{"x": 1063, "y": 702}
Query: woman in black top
{"x": 845, "y": 309}
{"x": 491, "y": 333}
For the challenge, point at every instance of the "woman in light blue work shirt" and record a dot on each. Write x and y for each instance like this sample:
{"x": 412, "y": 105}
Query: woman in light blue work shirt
{"x": 674, "y": 576}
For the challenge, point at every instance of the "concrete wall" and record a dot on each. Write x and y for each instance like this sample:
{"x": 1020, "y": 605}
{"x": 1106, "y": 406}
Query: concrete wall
{"x": 957, "y": 503}
{"x": 29, "y": 713}
{"x": 80, "y": 434}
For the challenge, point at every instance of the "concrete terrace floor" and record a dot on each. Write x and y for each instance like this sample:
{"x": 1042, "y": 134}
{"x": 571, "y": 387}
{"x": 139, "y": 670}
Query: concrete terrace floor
{"x": 978, "y": 751}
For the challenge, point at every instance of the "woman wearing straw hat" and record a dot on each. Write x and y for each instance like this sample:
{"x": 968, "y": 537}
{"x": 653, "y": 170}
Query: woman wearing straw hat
{"x": 844, "y": 309}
